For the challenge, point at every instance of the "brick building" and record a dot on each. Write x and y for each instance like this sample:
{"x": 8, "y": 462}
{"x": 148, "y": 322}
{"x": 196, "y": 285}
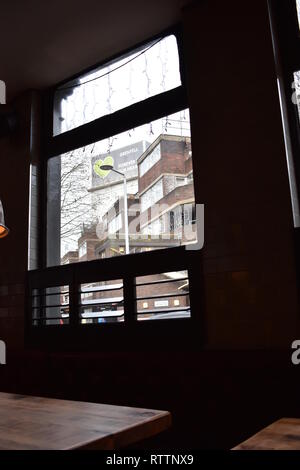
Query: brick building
{"x": 163, "y": 206}
{"x": 166, "y": 189}
{"x": 158, "y": 215}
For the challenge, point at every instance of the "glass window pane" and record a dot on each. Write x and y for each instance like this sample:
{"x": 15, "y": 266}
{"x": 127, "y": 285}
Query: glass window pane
{"x": 50, "y": 306}
{"x": 102, "y": 302}
{"x": 147, "y": 72}
{"x": 86, "y": 211}
{"x": 163, "y": 296}
{"x": 150, "y": 160}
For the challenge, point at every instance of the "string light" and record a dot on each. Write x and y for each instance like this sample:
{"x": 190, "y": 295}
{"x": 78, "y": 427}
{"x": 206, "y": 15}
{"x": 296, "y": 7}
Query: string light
{"x": 147, "y": 76}
{"x": 76, "y": 85}
{"x": 86, "y": 103}
{"x": 110, "y": 92}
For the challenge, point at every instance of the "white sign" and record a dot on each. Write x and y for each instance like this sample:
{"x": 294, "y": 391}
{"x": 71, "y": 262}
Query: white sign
{"x": 161, "y": 303}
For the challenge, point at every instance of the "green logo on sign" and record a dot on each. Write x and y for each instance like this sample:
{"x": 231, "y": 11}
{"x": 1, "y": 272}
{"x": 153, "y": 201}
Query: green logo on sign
{"x": 97, "y": 166}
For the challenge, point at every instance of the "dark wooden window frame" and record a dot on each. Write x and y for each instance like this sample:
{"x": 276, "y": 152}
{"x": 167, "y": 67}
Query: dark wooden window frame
{"x": 130, "y": 334}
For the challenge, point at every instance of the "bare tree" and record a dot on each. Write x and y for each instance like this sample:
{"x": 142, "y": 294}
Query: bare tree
{"x": 75, "y": 197}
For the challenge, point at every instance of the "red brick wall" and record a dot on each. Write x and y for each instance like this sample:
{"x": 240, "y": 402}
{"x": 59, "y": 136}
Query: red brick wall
{"x": 172, "y": 161}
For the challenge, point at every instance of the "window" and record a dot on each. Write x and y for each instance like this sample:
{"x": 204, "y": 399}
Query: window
{"x": 172, "y": 221}
{"x": 148, "y": 71}
{"x": 154, "y": 228}
{"x": 102, "y": 302}
{"x": 82, "y": 249}
{"x": 84, "y": 198}
{"x": 115, "y": 224}
{"x": 150, "y": 160}
{"x": 50, "y": 307}
{"x": 152, "y": 195}
{"x": 169, "y": 287}
{"x": 180, "y": 181}
{"x": 117, "y": 172}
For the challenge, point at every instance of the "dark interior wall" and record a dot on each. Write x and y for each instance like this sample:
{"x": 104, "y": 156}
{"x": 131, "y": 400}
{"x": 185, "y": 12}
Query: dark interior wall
{"x": 241, "y": 176}
{"x": 249, "y": 273}
{"x": 14, "y": 182}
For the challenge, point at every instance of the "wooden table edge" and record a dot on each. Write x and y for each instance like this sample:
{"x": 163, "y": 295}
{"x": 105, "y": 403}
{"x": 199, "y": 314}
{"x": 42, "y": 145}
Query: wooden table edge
{"x": 135, "y": 433}
{"x": 247, "y": 442}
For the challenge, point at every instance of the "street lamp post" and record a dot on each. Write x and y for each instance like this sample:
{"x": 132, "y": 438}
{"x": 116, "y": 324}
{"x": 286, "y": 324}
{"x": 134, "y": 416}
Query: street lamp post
{"x": 111, "y": 168}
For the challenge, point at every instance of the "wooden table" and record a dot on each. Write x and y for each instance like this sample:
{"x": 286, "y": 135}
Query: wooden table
{"x": 42, "y": 423}
{"x": 284, "y": 434}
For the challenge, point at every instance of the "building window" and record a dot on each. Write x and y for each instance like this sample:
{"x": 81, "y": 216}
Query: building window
{"x": 154, "y": 228}
{"x": 150, "y": 160}
{"x": 180, "y": 181}
{"x": 170, "y": 298}
{"x": 115, "y": 224}
{"x": 145, "y": 72}
{"x": 150, "y": 144}
{"x": 172, "y": 221}
{"x": 152, "y": 195}
{"x": 118, "y": 171}
{"x": 82, "y": 249}
{"x": 82, "y": 196}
